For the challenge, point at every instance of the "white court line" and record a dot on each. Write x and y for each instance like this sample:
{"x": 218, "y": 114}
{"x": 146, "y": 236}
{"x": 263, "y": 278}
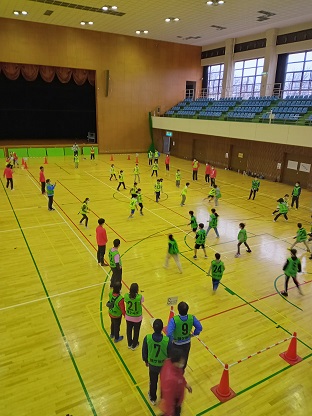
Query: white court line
{"x": 51, "y": 297}
{"x": 18, "y": 209}
{"x": 35, "y": 226}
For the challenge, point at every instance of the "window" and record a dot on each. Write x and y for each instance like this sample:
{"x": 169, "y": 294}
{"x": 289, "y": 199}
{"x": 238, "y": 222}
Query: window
{"x": 214, "y": 81}
{"x": 247, "y": 78}
{"x": 298, "y": 79}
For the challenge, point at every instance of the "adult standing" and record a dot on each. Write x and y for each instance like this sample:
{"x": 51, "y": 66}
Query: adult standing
{"x": 115, "y": 262}
{"x": 42, "y": 180}
{"x": 173, "y": 384}
{"x": 155, "y": 350}
{"x": 167, "y": 162}
{"x": 195, "y": 166}
{"x": 150, "y": 158}
{"x": 50, "y": 193}
{"x": 213, "y": 175}
{"x": 295, "y": 195}
{"x": 75, "y": 149}
{"x": 133, "y": 304}
{"x": 180, "y": 327}
{"x": 207, "y": 172}
{"x": 101, "y": 239}
{"x": 8, "y": 174}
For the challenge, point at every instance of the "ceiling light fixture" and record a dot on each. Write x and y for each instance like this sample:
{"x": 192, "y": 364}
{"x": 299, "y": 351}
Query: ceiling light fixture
{"x": 84, "y": 23}
{"x": 140, "y": 32}
{"x": 109, "y": 8}
{"x": 172, "y": 19}
{"x": 17, "y": 12}
{"x": 215, "y": 2}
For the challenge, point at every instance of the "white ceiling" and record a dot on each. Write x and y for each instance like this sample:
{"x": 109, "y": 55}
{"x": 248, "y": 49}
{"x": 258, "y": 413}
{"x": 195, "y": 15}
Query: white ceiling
{"x": 238, "y": 16}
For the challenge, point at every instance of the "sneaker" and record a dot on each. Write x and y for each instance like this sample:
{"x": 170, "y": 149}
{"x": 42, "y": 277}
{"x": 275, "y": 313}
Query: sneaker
{"x": 118, "y": 340}
{"x": 80, "y": 223}
{"x": 284, "y": 293}
{"x": 310, "y": 257}
{"x": 194, "y": 257}
{"x": 206, "y": 257}
{"x": 274, "y": 220}
{"x": 153, "y": 402}
{"x": 237, "y": 255}
{"x": 130, "y": 347}
{"x": 141, "y": 213}
{"x": 134, "y": 348}
{"x": 52, "y": 209}
{"x": 111, "y": 336}
{"x": 102, "y": 264}
{"x": 248, "y": 251}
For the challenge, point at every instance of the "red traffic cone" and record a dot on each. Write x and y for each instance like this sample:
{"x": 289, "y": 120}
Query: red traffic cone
{"x": 223, "y": 390}
{"x": 290, "y": 356}
{"x": 171, "y": 315}
{"x": 23, "y": 161}
{"x": 45, "y": 161}
{"x": 25, "y": 165}
{"x": 137, "y": 159}
{"x": 111, "y": 158}
{"x": 128, "y": 157}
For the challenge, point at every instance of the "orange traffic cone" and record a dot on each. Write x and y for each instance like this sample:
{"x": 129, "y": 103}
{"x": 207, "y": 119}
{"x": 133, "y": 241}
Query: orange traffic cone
{"x": 128, "y": 157}
{"x": 171, "y": 315}
{"x": 45, "y": 161}
{"x": 223, "y": 390}
{"x": 137, "y": 159}
{"x": 112, "y": 158}
{"x": 23, "y": 161}
{"x": 25, "y": 165}
{"x": 290, "y": 356}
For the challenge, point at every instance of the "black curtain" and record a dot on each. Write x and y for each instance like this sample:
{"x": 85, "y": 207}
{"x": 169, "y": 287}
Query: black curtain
{"x": 43, "y": 110}
{"x": 205, "y": 77}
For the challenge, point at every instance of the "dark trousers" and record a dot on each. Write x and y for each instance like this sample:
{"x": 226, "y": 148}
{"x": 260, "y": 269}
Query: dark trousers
{"x": 185, "y": 348}
{"x": 215, "y": 284}
{"x": 50, "y": 201}
{"x": 43, "y": 187}
{"x": 115, "y": 326}
{"x": 84, "y": 218}
{"x": 100, "y": 254}
{"x": 156, "y": 160}
{"x": 153, "y": 381}
{"x": 150, "y": 161}
{"x": 154, "y": 171}
{"x": 112, "y": 176}
{"x": 295, "y": 199}
{"x": 167, "y": 166}
{"x": 157, "y": 196}
{"x": 239, "y": 244}
{"x": 252, "y": 191}
{"x": 133, "y": 332}
{"x": 9, "y": 181}
{"x": 213, "y": 181}
{"x": 207, "y": 176}
{"x": 116, "y": 276}
{"x": 92, "y": 156}
{"x": 141, "y": 206}
{"x": 287, "y": 280}
{"x": 194, "y": 175}
{"x": 278, "y": 215}
{"x": 120, "y": 184}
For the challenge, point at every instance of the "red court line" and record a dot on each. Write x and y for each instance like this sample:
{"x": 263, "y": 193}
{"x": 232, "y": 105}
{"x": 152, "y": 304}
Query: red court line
{"x": 247, "y": 303}
{"x": 92, "y": 211}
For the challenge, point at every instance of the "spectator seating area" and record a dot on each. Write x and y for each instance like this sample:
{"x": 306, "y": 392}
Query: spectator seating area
{"x": 291, "y": 109}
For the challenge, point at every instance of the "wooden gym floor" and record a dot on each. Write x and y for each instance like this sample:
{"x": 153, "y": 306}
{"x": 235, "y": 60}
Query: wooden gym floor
{"x": 56, "y": 357}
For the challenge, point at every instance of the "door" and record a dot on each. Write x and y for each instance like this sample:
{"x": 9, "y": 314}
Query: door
{"x": 190, "y": 89}
{"x": 238, "y": 158}
{"x": 296, "y": 168}
{"x": 166, "y": 144}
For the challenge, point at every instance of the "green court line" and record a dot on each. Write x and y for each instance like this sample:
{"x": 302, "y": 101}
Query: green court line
{"x": 252, "y": 386}
{"x": 53, "y": 310}
{"x": 283, "y": 297}
{"x": 107, "y": 335}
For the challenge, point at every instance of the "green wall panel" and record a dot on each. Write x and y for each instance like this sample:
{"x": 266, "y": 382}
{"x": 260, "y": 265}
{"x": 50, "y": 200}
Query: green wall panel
{"x": 86, "y": 150}
{"x": 55, "y": 151}
{"x": 37, "y": 152}
{"x": 20, "y": 151}
{"x": 1, "y": 153}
